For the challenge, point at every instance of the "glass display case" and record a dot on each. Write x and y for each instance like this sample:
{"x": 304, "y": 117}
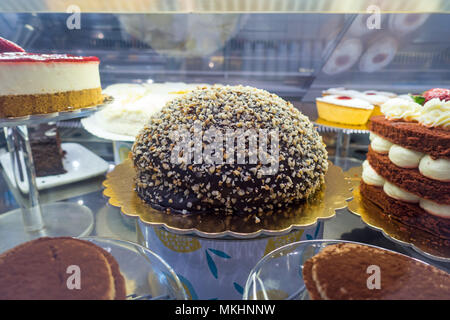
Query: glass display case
{"x": 295, "y": 49}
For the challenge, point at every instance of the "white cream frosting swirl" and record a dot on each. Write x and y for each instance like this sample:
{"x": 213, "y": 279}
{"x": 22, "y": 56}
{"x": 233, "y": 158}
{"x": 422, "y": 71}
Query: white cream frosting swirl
{"x": 405, "y": 158}
{"x": 435, "y": 113}
{"x": 370, "y": 176}
{"x": 397, "y": 193}
{"x": 441, "y": 210}
{"x": 379, "y": 144}
{"x": 399, "y": 108}
{"x": 438, "y": 169}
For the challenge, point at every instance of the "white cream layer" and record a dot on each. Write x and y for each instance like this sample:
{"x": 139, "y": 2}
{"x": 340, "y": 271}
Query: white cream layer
{"x": 376, "y": 99}
{"x": 437, "y": 169}
{"x": 341, "y": 92}
{"x": 41, "y": 78}
{"x": 379, "y": 144}
{"x": 371, "y": 177}
{"x": 383, "y": 93}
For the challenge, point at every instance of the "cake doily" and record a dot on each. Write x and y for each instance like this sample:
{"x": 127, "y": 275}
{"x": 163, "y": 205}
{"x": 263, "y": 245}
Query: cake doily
{"x": 373, "y": 216}
{"x": 119, "y": 188}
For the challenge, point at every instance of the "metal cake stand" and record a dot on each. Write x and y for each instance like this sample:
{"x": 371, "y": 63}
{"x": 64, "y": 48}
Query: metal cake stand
{"x": 343, "y": 134}
{"x": 34, "y": 219}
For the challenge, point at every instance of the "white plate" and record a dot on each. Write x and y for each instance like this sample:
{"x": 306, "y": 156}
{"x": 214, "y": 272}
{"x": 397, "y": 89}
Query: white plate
{"x": 91, "y": 125}
{"x": 79, "y": 162}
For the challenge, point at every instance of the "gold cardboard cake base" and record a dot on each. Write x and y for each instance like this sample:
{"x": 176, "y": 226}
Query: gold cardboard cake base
{"x": 119, "y": 187}
{"x": 373, "y": 216}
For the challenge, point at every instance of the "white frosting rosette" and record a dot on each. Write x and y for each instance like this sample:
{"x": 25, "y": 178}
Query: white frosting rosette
{"x": 435, "y": 113}
{"x": 399, "y": 108}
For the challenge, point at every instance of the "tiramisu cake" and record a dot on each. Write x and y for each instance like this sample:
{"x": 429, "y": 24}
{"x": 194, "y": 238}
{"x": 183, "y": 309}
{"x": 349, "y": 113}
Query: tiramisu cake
{"x": 348, "y": 271}
{"x": 226, "y": 176}
{"x": 32, "y": 83}
{"x": 46, "y": 269}
{"x": 407, "y": 171}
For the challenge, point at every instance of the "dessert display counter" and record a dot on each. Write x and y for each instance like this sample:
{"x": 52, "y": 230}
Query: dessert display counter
{"x": 224, "y": 151}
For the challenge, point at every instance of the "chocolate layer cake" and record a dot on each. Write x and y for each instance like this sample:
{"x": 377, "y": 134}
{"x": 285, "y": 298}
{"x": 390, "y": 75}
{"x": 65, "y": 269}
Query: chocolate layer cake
{"x": 407, "y": 171}
{"x": 39, "y": 270}
{"x": 46, "y": 149}
{"x": 341, "y": 272}
{"x": 230, "y": 179}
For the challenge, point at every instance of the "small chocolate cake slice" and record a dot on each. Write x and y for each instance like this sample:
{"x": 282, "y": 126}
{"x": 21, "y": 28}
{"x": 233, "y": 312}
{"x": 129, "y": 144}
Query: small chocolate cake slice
{"x": 41, "y": 270}
{"x": 348, "y": 271}
{"x": 46, "y": 149}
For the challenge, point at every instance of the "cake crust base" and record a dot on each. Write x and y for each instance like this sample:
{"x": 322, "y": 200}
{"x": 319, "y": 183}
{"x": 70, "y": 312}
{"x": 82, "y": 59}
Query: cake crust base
{"x": 23, "y": 105}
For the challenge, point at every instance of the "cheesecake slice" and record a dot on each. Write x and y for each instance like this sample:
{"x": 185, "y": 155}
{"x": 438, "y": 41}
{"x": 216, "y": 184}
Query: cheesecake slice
{"x": 32, "y": 83}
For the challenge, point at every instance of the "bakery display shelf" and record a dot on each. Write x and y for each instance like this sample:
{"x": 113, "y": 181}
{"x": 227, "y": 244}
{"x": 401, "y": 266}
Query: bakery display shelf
{"x": 327, "y": 126}
{"x": 79, "y": 162}
{"x": 147, "y": 275}
{"x": 119, "y": 188}
{"x": 422, "y": 242}
{"x": 55, "y": 116}
{"x": 35, "y": 219}
{"x": 279, "y": 275}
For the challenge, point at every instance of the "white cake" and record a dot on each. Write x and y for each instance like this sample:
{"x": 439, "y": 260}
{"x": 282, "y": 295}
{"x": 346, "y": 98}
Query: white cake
{"x": 135, "y": 104}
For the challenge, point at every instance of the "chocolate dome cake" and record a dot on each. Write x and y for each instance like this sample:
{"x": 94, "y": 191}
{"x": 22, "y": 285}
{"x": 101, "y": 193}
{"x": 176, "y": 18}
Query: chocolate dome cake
{"x": 215, "y": 173}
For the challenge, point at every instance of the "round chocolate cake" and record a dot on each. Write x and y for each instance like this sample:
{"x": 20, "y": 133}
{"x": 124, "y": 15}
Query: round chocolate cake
{"x": 228, "y": 149}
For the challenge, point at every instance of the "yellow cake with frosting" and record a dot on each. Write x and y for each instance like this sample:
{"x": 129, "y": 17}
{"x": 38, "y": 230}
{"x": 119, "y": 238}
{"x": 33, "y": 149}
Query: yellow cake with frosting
{"x": 344, "y": 109}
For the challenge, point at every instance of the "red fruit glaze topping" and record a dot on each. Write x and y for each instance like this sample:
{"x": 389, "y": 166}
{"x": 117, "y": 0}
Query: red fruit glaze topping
{"x": 19, "y": 57}
{"x": 8, "y": 46}
{"x": 344, "y": 98}
{"x": 441, "y": 94}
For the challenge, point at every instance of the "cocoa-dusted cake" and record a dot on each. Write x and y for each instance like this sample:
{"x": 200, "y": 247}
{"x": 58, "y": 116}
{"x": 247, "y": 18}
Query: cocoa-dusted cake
{"x": 407, "y": 171}
{"x": 38, "y": 270}
{"x": 342, "y": 272}
{"x": 46, "y": 149}
{"x": 222, "y": 182}
{"x": 32, "y": 83}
